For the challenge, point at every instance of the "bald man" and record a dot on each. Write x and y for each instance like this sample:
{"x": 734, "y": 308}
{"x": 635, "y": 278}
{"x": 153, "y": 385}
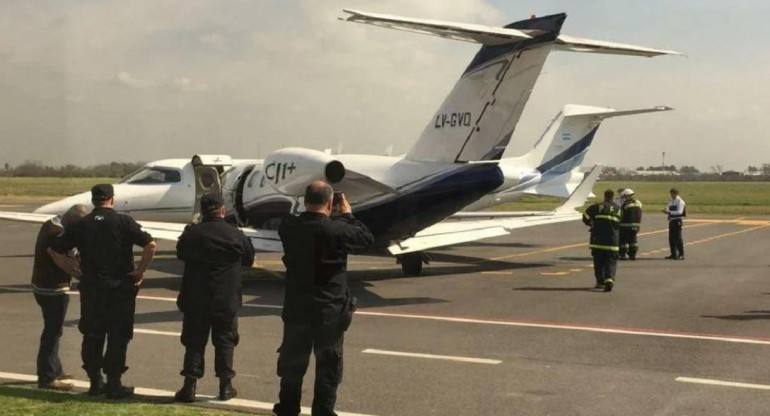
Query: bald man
{"x": 317, "y": 306}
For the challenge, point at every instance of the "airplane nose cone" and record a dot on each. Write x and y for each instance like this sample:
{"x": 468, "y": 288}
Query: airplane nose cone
{"x": 61, "y": 206}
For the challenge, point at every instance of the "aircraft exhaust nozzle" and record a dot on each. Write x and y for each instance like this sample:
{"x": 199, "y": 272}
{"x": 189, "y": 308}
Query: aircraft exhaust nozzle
{"x": 289, "y": 171}
{"x": 335, "y": 171}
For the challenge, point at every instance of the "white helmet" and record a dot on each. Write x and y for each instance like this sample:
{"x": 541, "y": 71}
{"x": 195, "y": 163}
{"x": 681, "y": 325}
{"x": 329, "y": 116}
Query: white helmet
{"x": 627, "y": 192}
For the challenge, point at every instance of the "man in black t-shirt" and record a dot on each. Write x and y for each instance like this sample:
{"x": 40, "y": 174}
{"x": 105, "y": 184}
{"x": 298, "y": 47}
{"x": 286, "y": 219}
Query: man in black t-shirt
{"x": 108, "y": 287}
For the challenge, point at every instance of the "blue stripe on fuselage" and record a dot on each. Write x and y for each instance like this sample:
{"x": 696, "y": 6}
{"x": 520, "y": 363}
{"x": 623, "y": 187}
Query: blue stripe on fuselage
{"x": 429, "y": 203}
{"x": 571, "y": 152}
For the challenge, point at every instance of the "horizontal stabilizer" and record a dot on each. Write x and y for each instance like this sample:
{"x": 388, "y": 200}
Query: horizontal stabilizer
{"x": 574, "y": 44}
{"x": 487, "y": 35}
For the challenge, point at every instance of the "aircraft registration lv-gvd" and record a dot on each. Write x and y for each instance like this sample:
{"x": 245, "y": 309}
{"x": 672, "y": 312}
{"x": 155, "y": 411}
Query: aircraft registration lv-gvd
{"x": 406, "y": 200}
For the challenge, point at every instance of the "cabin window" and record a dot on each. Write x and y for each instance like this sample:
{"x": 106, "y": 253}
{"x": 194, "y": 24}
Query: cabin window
{"x": 153, "y": 175}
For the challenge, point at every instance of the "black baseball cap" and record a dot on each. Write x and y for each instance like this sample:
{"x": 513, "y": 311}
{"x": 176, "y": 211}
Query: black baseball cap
{"x": 211, "y": 202}
{"x": 102, "y": 192}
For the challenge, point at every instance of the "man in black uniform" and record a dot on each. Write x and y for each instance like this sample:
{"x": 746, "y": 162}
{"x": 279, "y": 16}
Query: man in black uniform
{"x": 604, "y": 218}
{"x": 630, "y": 221}
{"x": 108, "y": 287}
{"x": 317, "y": 306}
{"x": 50, "y": 283}
{"x": 210, "y": 297}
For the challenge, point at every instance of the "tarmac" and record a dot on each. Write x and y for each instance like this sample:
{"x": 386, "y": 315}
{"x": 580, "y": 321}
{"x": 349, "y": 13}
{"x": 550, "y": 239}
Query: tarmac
{"x": 505, "y": 326}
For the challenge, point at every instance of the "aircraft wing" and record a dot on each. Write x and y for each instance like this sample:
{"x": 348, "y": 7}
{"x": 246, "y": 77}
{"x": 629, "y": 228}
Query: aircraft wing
{"x": 262, "y": 240}
{"x": 470, "y": 226}
{"x": 25, "y": 217}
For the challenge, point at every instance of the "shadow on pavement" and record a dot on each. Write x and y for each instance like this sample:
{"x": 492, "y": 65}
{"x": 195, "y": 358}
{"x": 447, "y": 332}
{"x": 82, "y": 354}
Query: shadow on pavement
{"x": 746, "y": 316}
{"x": 559, "y": 289}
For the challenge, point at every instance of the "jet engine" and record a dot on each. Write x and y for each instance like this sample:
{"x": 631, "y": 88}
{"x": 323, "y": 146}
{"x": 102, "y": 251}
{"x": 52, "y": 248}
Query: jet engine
{"x": 289, "y": 171}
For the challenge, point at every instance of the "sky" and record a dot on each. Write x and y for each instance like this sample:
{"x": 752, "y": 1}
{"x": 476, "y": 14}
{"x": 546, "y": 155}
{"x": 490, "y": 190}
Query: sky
{"x": 94, "y": 81}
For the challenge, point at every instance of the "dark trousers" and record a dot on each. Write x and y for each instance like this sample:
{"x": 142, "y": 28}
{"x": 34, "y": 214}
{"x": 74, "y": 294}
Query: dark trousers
{"x": 605, "y": 264}
{"x": 675, "y": 242}
{"x": 54, "y": 309}
{"x": 224, "y": 336}
{"x": 628, "y": 242}
{"x": 106, "y": 316}
{"x": 298, "y": 341}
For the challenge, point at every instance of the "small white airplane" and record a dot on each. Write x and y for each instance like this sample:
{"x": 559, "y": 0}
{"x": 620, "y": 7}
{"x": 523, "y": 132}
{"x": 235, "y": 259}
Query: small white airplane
{"x": 405, "y": 200}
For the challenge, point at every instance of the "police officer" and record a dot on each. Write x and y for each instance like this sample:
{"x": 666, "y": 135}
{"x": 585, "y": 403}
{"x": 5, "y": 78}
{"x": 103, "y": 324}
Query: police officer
{"x": 676, "y": 213}
{"x": 210, "y": 297}
{"x": 108, "y": 287}
{"x": 50, "y": 284}
{"x": 317, "y": 306}
{"x": 630, "y": 221}
{"x": 604, "y": 218}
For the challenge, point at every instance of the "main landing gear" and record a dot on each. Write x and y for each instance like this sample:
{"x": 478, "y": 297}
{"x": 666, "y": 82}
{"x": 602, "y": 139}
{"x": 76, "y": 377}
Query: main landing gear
{"x": 411, "y": 263}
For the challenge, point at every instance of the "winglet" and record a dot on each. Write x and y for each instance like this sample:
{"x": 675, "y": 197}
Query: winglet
{"x": 579, "y": 196}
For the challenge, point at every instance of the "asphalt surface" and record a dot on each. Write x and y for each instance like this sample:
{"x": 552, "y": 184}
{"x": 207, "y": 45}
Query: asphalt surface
{"x": 515, "y": 322}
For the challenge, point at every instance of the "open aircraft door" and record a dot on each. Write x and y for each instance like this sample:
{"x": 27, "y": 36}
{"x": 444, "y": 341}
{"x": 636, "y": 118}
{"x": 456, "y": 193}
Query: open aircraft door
{"x": 208, "y": 170}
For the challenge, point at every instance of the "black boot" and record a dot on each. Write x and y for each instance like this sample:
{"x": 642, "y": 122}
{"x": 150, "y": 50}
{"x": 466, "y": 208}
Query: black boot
{"x": 187, "y": 393}
{"x": 116, "y": 390}
{"x": 97, "y": 385}
{"x": 226, "y": 389}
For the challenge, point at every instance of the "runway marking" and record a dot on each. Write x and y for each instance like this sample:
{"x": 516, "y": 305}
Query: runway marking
{"x": 554, "y": 273}
{"x": 432, "y": 356}
{"x": 526, "y": 324}
{"x": 707, "y": 239}
{"x": 154, "y": 332}
{"x": 208, "y": 401}
{"x": 568, "y": 246}
{"x": 499, "y": 272}
{"x": 722, "y": 383}
{"x": 571, "y": 327}
{"x": 576, "y": 270}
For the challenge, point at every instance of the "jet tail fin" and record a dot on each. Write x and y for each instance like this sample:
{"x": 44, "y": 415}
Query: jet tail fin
{"x": 565, "y": 142}
{"x": 476, "y": 120}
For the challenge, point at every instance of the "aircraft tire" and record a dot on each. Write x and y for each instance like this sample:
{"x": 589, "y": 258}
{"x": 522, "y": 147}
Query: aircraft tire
{"x": 411, "y": 263}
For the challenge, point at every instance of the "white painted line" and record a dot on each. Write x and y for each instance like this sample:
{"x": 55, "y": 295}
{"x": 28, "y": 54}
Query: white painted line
{"x": 432, "y": 356}
{"x": 153, "y": 332}
{"x": 722, "y": 383}
{"x": 598, "y": 329}
{"x": 606, "y": 330}
{"x": 209, "y": 400}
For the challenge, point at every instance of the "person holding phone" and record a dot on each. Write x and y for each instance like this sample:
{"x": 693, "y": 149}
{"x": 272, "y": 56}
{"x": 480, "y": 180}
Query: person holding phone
{"x": 318, "y": 307}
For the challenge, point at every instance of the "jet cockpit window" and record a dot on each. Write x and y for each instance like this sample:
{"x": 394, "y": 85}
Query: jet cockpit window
{"x": 153, "y": 175}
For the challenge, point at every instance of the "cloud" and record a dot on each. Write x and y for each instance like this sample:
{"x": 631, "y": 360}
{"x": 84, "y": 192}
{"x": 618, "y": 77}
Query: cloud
{"x": 184, "y": 84}
{"x": 128, "y": 80}
{"x": 244, "y": 77}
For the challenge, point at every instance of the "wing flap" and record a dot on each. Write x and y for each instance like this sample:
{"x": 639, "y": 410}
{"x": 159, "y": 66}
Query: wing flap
{"x": 456, "y": 232}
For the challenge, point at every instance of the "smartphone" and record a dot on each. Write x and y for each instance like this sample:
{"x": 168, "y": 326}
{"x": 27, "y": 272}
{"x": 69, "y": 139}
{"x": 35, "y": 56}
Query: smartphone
{"x": 337, "y": 198}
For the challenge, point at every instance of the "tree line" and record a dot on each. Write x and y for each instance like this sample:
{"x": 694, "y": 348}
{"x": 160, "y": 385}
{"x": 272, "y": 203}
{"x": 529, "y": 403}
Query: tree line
{"x": 104, "y": 170}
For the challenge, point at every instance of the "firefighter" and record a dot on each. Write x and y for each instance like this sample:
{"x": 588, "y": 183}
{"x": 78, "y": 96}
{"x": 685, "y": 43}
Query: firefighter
{"x": 604, "y": 220}
{"x": 630, "y": 221}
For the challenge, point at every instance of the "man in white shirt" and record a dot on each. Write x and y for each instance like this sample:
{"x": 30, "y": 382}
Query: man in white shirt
{"x": 676, "y": 212}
